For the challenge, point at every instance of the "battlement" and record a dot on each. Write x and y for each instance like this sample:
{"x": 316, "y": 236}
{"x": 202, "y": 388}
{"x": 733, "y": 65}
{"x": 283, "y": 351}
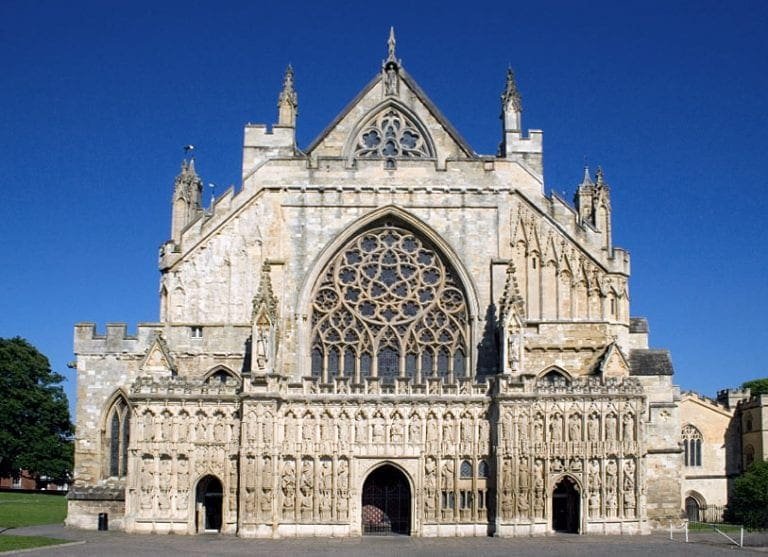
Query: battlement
{"x": 730, "y": 398}
{"x": 115, "y": 339}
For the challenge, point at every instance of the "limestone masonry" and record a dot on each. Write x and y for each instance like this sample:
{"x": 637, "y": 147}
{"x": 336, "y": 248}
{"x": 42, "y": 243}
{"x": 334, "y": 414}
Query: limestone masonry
{"x": 387, "y": 332}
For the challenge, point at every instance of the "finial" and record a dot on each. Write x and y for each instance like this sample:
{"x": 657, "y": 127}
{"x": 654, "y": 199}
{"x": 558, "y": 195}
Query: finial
{"x": 288, "y": 100}
{"x": 288, "y": 93}
{"x": 390, "y": 67}
{"x": 391, "y": 44}
{"x": 599, "y": 178}
{"x": 511, "y": 95}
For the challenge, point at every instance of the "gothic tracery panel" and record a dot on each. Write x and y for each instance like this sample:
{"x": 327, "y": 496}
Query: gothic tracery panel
{"x": 389, "y": 135}
{"x": 388, "y": 305}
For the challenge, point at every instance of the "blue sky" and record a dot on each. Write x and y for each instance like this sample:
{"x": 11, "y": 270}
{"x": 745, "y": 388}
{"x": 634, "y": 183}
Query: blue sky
{"x": 98, "y": 98}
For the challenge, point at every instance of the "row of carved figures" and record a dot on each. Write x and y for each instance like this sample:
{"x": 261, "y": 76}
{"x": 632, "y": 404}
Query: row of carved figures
{"x": 610, "y": 486}
{"x": 311, "y": 435}
{"x": 558, "y": 427}
{"x": 201, "y": 428}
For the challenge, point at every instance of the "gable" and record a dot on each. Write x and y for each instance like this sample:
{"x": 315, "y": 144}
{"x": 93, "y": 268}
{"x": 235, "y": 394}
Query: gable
{"x": 436, "y": 138}
{"x": 158, "y": 358}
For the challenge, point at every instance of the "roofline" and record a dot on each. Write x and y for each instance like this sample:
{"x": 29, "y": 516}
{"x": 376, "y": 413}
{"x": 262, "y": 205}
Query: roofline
{"x": 420, "y": 94}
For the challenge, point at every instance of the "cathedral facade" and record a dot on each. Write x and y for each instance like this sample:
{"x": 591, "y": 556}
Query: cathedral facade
{"x": 383, "y": 332}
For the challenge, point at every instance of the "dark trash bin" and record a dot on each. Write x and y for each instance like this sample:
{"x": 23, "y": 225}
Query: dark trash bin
{"x": 103, "y": 522}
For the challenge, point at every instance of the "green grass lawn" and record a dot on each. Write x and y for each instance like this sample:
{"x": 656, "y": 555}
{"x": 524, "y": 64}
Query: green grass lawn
{"x": 8, "y": 543}
{"x": 29, "y": 509}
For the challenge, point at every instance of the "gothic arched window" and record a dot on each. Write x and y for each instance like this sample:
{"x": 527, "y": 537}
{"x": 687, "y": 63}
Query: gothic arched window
{"x": 466, "y": 469}
{"x": 116, "y": 438}
{"x": 692, "y": 445}
{"x": 482, "y": 469}
{"x": 388, "y": 305}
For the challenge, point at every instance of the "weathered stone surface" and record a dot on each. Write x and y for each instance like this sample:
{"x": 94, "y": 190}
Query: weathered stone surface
{"x": 492, "y": 364}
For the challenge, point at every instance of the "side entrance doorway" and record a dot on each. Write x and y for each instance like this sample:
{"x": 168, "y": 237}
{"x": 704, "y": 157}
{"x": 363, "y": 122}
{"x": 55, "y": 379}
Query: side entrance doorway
{"x": 208, "y": 502}
{"x": 386, "y": 508}
{"x": 566, "y": 512}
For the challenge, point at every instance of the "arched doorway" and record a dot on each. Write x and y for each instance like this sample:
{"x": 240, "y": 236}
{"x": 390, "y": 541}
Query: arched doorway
{"x": 208, "y": 505}
{"x": 692, "y": 509}
{"x": 566, "y": 512}
{"x": 386, "y": 507}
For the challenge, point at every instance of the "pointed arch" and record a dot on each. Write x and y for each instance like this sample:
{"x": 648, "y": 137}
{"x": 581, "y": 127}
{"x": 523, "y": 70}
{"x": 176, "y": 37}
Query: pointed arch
{"x": 221, "y": 374}
{"x": 692, "y": 440}
{"x": 553, "y": 373}
{"x": 116, "y": 427}
{"x": 311, "y": 355}
{"x": 389, "y": 125}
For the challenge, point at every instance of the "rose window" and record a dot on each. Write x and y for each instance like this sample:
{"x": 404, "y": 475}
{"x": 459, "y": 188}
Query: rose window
{"x": 389, "y": 306}
{"x": 390, "y": 135}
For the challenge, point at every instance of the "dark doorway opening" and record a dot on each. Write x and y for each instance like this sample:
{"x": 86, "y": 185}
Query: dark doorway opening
{"x": 692, "y": 509}
{"x": 565, "y": 507}
{"x": 208, "y": 508}
{"x": 386, "y": 503}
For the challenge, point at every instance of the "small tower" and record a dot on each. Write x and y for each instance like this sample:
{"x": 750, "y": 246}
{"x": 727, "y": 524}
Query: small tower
{"x": 288, "y": 101}
{"x": 593, "y": 202}
{"x": 261, "y": 143}
{"x": 602, "y": 204}
{"x": 511, "y": 106}
{"x": 187, "y": 197}
{"x": 584, "y": 198}
{"x": 514, "y": 145}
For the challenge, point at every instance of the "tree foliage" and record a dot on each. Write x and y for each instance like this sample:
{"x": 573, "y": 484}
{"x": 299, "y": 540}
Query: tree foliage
{"x": 35, "y": 429}
{"x": 757, "y": 386}
{"x": 749, "y": 505}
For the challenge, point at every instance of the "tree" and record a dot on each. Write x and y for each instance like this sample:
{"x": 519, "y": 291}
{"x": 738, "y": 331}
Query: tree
{"x": 749, "y": 505}
{"x": 35, "y": 429}
{"x": 757, "y": 386}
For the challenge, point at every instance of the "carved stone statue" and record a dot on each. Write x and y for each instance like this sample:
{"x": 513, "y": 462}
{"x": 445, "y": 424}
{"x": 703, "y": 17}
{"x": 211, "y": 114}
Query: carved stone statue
{"x": 556, "y": 428}
{"x": 574, "y": 428}
{"x": 447, "y": 474}
{"x": 593, "y": 427}
{"x": 610, "y": 427}
{"x": 414, "y": 430}
{"x": 628, "y": 428}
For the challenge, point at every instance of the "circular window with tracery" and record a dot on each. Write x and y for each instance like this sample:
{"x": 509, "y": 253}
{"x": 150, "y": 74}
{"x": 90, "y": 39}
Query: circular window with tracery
{"x": 389, "y": 306}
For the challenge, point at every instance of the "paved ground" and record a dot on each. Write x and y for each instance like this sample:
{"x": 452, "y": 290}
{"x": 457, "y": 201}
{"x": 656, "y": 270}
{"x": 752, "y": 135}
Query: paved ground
{"x": 116, "y": 544}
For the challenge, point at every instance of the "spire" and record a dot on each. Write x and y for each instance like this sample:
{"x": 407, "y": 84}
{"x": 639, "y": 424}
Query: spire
{"x": 600, "y": 179}
{"x": 510, "y": 98}
{"x": 587, "y": 180}
{"x": 288, "y": 101}
{"x": 391, "y": 45}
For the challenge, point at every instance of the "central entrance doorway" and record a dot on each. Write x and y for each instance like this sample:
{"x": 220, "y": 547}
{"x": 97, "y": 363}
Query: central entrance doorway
{"x": 565, "y": 507}
{"x": 208, "y": 504}
{"x": 386, "y": 503}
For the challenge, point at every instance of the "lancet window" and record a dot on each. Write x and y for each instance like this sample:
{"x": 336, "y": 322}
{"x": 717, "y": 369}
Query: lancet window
{"x": 389, "y": 306}
{"x": 391, "y": 135}
{"x": 116, "y": 438}
{"x": 692, "y": 445}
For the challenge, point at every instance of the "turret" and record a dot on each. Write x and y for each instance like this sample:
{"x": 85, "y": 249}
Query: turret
{"x": 187, "y": 197}
{"x": 593, "y": 202}
{"x": 514, "y": 145}
{"x": 262, "y": 143}
{"x": 288, "y": 101}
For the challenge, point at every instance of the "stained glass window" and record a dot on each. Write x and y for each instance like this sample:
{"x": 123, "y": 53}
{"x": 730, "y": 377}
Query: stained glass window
{"x": 391, "y": 305}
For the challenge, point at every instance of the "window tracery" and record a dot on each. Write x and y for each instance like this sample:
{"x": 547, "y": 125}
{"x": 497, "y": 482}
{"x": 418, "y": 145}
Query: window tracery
{"x": 692, "y": 445}
{"x": 116, "y": 439}
{"x": 391, "y": 135}
{"x": 388, "y": 306}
